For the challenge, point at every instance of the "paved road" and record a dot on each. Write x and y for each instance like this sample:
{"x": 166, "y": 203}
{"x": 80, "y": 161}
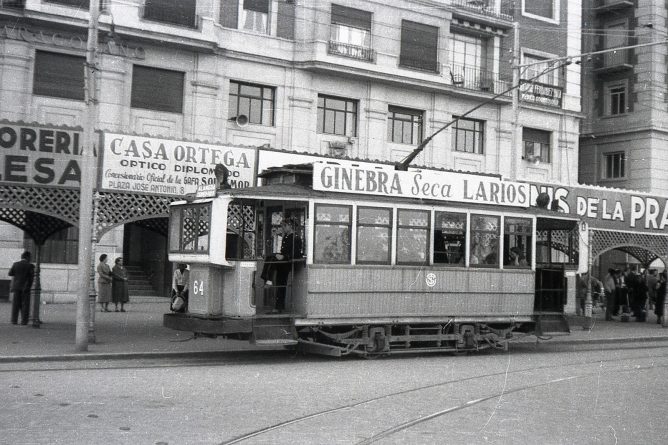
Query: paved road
{"x": 552, "y": 394}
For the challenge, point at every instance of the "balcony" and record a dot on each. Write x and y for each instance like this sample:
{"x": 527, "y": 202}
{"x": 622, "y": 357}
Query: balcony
{"x": 481, "y": 7}
{"x": 471, "y": 78}
{"x": 614, "y": 61}
{"x": 603, "y": 6}
{"x": 351, "y": 51}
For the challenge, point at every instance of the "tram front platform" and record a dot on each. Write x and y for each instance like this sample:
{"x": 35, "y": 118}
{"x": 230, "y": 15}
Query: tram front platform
{"x": 139, "y": 333}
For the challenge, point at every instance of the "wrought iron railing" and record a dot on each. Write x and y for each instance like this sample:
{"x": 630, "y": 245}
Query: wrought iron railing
{"x": 352, "y": 51}
{"x": 471, "y": 78}
{"x": 484, "y": 7}
{"x": 616, "y": 58}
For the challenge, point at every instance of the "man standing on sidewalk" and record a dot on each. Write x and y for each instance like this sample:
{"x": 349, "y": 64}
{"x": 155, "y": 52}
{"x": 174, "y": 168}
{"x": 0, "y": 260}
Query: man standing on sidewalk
{"x": 22, "y": 273}
{"x": 609, "y": 287}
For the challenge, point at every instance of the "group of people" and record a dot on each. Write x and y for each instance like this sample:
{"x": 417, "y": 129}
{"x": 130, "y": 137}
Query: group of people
{"x": 112, "y": 284}
{"x": 632, "y": 292}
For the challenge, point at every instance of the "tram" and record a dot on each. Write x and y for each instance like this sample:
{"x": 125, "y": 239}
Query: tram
{"x": 387, "y": 261}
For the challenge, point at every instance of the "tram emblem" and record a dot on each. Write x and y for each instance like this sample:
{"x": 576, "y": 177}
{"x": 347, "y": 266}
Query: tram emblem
{"x": 430, "y": 279}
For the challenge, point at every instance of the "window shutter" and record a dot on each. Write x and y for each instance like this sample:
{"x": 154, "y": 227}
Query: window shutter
{"x": 257, "y": 5}
{"x": 419, "y": 46}
{"x": 286, "y": 20}
{"x": 229, "y": 13}
{"x": 157, "y": 89}
{"x": 540, "y": 136}
{"x": 355, "y": 18}
{"x": 59, "y": 75}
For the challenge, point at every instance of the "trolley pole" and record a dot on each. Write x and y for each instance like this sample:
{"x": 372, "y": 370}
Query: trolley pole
{"x": 87, "y": 183}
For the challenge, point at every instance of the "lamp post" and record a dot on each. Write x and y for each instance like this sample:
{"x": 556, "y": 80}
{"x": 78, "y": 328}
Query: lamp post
{"x": 86, "y": 287}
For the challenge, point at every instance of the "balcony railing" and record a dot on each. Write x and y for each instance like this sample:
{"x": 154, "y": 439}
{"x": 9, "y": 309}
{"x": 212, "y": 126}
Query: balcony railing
{"x": 614, "y": 61}
{"x": 352, "y": 51}
{"x": 471, "y": 78}
{"x": 608, "y": 5}
{"x": 483, "y": 7}
{"x": 12, "y": 3}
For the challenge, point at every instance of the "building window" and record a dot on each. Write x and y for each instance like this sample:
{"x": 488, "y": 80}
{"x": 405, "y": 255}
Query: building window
{"x": 332, "y": 234}
{"x": 157, "y": 89}
{"x": 615, "y": 98}
{"x": 254, "y": 101}
{"x": 614, "y": 164}
{"x": 541, "y": 9}
{"x": 536, "y": 145}
{"x": 449, "y": 238}
{"x": 517, "y": 242}
{"x": 412, "y": 236}
{"x": 419, "y": 46}
{"x": 350, "y": 33}
{"x": 60, "y": 248}
{"x": 484, "y": 249}
{"x": 404, "y": 125}
{"x": 468, "y": 136}
{"x": 468, "y": 60}
{"x": 255, "y": 16}
{"x": 81, "y": 4}
{"x": 174, "y": 12}
{"x": 541, "y": 71}
{"x": 58, "y": 75}
{"x": 337, "y": 115}
{"x": 374, "y": 229}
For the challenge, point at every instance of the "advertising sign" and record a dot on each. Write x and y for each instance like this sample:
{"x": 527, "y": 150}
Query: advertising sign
{"x": 148, "y": 165}
{"x": 39, "y": 156}
{"x": 420, "y": 184}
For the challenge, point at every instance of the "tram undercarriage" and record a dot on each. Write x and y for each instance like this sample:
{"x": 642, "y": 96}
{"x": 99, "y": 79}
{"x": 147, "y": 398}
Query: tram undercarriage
{"x": 376, "y": 340}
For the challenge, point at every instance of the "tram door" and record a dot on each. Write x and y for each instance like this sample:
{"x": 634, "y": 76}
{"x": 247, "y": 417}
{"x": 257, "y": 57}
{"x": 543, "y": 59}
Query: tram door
{"x": 550, "y": 290}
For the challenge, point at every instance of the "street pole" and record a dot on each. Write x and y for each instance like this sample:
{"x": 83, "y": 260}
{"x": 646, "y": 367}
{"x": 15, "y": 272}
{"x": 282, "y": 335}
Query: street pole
{"x": 87, "y": 182}
{"x": 516, "y": 101}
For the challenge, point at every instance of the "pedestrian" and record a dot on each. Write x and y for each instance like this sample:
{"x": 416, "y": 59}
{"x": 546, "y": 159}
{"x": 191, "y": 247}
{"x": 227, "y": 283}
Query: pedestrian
{"x": 180, "y": 281}
{"x": 609, "y": 287}
{"x": 651, "y": 280}
{"x": 104, "y": 283}
{"x": 660, "y": 296}
{"x": 22, "y": 273}
{"x": 277, "y": 267}
{"x": 119, "y": 286}
{"x": 621, "y": 293}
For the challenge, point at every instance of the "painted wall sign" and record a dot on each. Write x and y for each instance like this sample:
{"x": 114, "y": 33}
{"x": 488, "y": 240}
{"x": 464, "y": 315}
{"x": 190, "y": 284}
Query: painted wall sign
{"x": 156, "y": 166}
{"x": 39, "y": 156}
{"x": 420, "y": 184}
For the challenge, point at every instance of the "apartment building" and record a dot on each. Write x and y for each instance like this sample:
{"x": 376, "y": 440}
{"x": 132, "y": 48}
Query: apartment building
{"x": 358, "y": 79}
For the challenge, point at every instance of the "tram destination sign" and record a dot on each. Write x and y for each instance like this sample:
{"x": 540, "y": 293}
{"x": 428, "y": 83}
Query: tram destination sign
{"x": 422, "y": 184}
{"x": 148, "y": 165}
{"x": 43, "y": 156}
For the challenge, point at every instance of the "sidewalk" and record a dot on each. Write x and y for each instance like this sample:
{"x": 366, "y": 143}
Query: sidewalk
{"x": 138, "y": 333}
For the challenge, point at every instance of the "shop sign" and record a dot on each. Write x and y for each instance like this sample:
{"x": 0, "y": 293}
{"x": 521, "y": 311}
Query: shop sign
{"x": 540, "y": 93}
{"x": 148, "y": 165}
{"x": 39, "y": 156}
{"x": 419, "y": 184}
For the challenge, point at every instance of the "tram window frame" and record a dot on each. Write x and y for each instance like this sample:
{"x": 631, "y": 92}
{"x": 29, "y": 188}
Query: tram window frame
{"x": 383, "y": 224}
{"x": 475, "y": 232}
{"x": 243, "y": 234}
{"x": 443, "y": 256}
{"x": 401, "y": 227}
{"x": 345, "y": 225}
{"x": 201, "y": 236}
{"x": 517, "y": 239}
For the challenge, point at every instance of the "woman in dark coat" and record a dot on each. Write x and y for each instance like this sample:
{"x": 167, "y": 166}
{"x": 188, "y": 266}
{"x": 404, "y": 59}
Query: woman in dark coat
{"x": 104, "y": 283}
{"x": 660, "y": 296}
{"x": 119, "y": 288}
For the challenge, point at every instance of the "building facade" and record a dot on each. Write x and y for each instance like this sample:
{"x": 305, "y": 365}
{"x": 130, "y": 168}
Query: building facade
{"x": 357, "y": 79}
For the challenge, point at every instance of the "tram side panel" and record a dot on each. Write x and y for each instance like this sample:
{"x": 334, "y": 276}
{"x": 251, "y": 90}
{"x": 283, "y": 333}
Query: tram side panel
{"x": 368, "y": 291}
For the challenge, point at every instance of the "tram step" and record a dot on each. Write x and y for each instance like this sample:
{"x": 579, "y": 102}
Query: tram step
{"x": 552, "y": 324}
{"x": 275, "y": 331}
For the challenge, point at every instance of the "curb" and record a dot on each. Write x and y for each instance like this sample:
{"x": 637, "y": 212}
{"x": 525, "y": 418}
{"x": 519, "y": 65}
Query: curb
{"x": 84, "y": 356}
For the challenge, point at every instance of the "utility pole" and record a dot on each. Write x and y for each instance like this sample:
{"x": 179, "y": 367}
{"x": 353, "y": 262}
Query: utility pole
{"x": 88, "y": 178}
{"x": 516, "y": 101}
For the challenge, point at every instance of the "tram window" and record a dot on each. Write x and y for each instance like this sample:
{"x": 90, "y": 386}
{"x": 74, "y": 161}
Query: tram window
{"x": 517, "y": 241}
{"x": 484, "y": 247}
{"x": 449, "y": 238}
{"x": 241, "y": 231}
{"x": 332, "y": 234}
{"x": 194, "y": 229}
{"x": 175, "y": 229}
{"x": 412, "y": 236}
{"x": 374, "y": 227}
